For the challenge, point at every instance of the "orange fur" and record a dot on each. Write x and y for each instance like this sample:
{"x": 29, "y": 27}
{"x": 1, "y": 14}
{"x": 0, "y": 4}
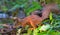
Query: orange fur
{"x": 33, "y": 19}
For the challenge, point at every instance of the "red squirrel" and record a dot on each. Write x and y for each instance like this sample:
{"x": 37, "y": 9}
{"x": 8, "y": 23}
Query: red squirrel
{"x": 33, "y": 19}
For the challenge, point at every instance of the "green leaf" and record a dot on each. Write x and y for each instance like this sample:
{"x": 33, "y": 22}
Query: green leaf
{"x": 35, "y": 32}
{"x": 51, "y": 16}
{"x": 45, "y": 27}
{"x": 4, "y": 8}
{"x": 35, "y": 6}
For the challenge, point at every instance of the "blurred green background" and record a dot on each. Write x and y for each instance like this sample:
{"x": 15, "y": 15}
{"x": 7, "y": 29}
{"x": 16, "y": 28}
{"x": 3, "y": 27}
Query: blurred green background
{"x": 16, "y": 7}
